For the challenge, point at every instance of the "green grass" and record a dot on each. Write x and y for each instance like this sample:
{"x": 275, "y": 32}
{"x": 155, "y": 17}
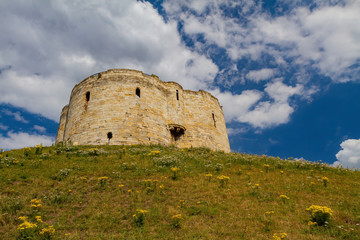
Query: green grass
{"x": 79, "y": 205}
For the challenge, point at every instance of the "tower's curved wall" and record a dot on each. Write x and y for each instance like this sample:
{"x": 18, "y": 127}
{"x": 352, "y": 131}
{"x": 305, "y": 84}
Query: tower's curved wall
{"x": 122, "y": 106}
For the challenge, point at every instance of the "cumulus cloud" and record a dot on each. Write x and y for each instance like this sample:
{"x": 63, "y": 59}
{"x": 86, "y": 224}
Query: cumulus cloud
{"x": 3, "y": 127}
{"x": 260, "y": 75}
{"x": 17, "y": 115}
{"x": 235, "y": 105}
{"x": 21, "y": 139}
{"x": 349, "y": 156}
{"x": 247, "y": 107}
{"x": 326, "y": 37}
{"x": 48, "y": 47}
{"x": 40, "y": 129}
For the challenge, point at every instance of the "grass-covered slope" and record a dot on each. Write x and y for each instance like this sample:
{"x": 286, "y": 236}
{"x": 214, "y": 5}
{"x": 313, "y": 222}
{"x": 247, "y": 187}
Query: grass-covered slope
{"x": 154, "y": 192}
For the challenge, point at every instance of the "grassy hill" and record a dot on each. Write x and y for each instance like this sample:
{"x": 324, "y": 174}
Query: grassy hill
{"x": 155, "y": 192}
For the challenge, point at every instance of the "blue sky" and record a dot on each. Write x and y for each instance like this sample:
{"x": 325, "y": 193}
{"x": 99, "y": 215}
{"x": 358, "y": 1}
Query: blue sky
{"x": 287, "y": 73}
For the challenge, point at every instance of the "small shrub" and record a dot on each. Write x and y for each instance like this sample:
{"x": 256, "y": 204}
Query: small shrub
{"x": 47, "y": 232}
{"x": 64, "y": 173}
{"x": 224, "y": 180}
{"x": 176, "y": 221}
{"x": 38, "y": 149}
{"x": 175, "y": 171}
{"x": 102, "y": 181}
{"x": 325, "y": 181}
{"x": 208, "y": 176}
{"x": 27, "y": 151}
{"x": 320, "y": 214}
{"x": 218, "y": 167}
{"x": 284, "y": 198}
{"x": 139, "y": 217}
{"x": 166, "y": 161}
{"x": 93, "y": 152}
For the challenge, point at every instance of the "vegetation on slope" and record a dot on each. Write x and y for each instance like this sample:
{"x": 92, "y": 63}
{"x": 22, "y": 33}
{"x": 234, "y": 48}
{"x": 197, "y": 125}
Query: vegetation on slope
{"x": 155, "y": 192}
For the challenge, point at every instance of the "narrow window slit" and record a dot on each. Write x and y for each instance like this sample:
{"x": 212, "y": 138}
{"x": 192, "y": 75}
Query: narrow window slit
{"x": 177, "y": 95}
{"x": 213, "y": 116}
{"x": 109, "y": 136}
{"x": 87, "y": 96}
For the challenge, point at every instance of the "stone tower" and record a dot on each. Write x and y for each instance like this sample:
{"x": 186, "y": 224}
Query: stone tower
{"x": 122, "y": 106}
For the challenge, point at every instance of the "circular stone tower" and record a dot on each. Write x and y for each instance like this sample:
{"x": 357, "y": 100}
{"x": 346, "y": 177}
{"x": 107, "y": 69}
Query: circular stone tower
{"x": 122, "y": 106}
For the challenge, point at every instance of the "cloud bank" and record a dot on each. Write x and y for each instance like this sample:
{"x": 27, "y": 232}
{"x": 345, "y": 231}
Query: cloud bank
{"x": 349, "y": 156}
{"x": 301, "y": 40}
{"x": 21, "y": 139}
{"x": 48, "y": 47}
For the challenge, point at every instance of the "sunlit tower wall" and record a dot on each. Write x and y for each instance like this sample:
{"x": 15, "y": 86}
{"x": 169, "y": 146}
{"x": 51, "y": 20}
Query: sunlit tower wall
{"x": 122, "y": 106}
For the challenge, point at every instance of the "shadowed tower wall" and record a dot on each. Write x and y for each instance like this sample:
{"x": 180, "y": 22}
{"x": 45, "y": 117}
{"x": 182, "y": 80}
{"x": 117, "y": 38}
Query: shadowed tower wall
{"x": 122, "y": 106}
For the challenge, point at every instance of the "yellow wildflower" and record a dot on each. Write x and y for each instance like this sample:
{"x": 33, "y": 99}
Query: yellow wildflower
{"x": 269, "y": 213}
{"x": 284, "y": 197}
{"x": 102, "y": 178}
{"x": 26, "y": 225}
{"x": 154, "y": 153}
{"x": 38, "y": 219}
{"x": 23, "y": 218}
{"x": 325, "y": 181}
{"x": 279, "y": 236}
{"x": 311, "y": 223}
{"x": 35, "y": 201}
{"x": 266, "y": 166}
{"x": 50, "y": 230}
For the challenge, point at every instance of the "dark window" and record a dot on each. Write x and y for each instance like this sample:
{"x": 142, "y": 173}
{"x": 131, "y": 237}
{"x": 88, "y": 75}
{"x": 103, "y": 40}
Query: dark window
{"x": 137, "y": 92}
{"x": 177, "y": 95}
{"x": 109, "y": 135}
{"x": 176, "y": 133}
{"x": 87, "y": 96}
{"x": 213, "y": 116}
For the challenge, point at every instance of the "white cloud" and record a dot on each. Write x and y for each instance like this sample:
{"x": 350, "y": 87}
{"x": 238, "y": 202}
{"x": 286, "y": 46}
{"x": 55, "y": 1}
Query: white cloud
{"x": 247, "y": 107}
{"x": 40, "y": 128}
{"x": 326, "y": 37}
{"x": 20, "y": 140}
{"x": 17, "y": 115}
{"x": 281, "y": 92}
{"x": 272, "y": 113}
{"x": 3, "y": 127}
{"x": 260, "y": 75}
{"x": 267, "y": 114}
{"x": 349, "y": 156}
{"x": 235, "y": 105}
{"x": 48, "y": 47}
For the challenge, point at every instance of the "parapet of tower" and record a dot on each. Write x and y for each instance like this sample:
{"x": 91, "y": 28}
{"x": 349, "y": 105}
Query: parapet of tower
{"x": 122, "y": 106}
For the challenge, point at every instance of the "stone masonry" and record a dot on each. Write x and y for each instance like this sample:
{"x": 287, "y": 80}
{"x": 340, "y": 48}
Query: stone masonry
{"x": 122, "y": 106}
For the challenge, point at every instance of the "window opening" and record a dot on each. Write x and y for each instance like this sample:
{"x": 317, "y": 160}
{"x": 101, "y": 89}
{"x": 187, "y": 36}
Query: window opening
{"x": 176, "y": 131}
{"x": 87, "y": 96}
{"x": 177, "y": 95}
{"x": 213, "y": 116}
{"x": 137, "y": 92}
{"x": 109, "y": 136}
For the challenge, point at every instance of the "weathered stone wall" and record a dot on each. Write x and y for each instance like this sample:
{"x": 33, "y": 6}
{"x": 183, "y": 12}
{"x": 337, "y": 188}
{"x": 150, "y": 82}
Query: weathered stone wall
{"x": 163, "y": 114}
